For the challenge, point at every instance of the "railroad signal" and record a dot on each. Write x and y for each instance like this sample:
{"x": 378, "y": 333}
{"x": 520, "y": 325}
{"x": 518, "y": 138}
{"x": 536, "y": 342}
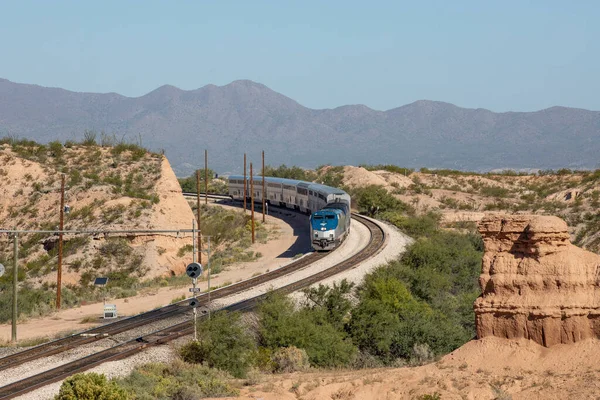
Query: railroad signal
{"x": 193, "y": 302}
{"x": 194, "y": 270}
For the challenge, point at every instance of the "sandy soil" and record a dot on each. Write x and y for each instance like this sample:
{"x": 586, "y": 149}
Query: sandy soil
{"x": 481, "y": 369}
{"x": 291, "y": 238}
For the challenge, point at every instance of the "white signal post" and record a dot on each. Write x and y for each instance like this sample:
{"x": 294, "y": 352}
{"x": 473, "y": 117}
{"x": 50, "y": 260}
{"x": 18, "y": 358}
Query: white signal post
{"x": 194, "y": 270}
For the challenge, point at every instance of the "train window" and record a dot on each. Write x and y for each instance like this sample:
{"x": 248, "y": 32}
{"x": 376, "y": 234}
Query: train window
{"x": 310, "y": 192}
{"x": 317, "y": 217}
{"x": 330, "y": 216}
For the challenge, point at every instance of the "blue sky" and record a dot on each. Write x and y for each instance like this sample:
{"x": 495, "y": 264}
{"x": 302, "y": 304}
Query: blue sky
{"x": 500, "y": 55}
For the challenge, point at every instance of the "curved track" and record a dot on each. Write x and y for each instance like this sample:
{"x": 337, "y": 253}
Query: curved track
{"x": 126, "y": 349}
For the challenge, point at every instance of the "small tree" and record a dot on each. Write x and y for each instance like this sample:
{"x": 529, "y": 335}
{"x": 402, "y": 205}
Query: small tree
{"x": 374, "y": 199}
{"x": 91, "y": 386}
{"x": 224, "y": 344}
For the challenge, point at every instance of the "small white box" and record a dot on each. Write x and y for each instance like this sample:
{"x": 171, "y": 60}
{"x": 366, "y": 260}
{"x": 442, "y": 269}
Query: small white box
{"x": 110, "y": 311}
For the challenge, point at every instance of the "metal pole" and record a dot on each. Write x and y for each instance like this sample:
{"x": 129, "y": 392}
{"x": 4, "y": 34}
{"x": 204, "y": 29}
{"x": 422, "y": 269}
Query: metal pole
{"x": 208, "y": 268}
{"x": 60, "y": 242}
{"x": 252, "y": 201}
{"x": 15, "y": 286}
{"x": 198, "y": 215}
{"x": 245, "y": 189}
{"x": 264, "y": 193}
{"x": 195, "y": 312}
{"x": 193, "y": 240}
{"x": 205, "y": 176}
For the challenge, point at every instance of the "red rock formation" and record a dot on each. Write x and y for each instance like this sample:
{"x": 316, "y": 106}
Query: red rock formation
{"x": 535, "y": 283}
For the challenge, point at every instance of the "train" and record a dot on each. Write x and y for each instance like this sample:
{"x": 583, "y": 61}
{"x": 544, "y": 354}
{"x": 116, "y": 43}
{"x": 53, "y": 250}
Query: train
{"x": 328, "y": 207}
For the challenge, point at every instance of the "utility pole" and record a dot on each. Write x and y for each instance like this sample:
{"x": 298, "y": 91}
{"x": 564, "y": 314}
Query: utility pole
{"x": 194, "y": 240}
{"x": 60, "y": 241}
{"x": 252, "y": 201}
{"x": 208, "y": 267}
{"x": 198, "y": 215}
{"x": 205, "y": 176}
{"x": 245, "y": 189}
{"x": 15, "y": 286}
{"x": 264, "y": 193}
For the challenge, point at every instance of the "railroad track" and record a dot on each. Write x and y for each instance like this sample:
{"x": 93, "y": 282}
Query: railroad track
{"x": 126, "y": 349}
{"x": 173, "y": 310}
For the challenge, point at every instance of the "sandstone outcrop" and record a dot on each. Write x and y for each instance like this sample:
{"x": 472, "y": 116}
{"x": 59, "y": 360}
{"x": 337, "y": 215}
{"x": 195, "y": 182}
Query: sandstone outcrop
{"x": 535, "y": 283}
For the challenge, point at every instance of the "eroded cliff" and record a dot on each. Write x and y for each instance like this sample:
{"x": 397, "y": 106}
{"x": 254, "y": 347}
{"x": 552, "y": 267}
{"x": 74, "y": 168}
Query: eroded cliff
{"x": 535, "y": 283}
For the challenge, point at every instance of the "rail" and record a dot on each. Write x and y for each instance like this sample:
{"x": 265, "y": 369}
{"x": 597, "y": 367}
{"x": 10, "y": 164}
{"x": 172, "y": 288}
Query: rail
{"x": 376, "y": 242}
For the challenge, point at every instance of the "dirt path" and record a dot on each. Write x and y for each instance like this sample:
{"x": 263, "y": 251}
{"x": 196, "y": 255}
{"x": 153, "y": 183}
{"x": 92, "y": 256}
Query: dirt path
{"x": 291, "y": 239}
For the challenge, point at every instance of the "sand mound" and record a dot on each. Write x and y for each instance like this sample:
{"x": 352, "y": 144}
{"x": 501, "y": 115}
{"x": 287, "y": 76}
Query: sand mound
{"x": 358, "y": 177}
{"x": 496, "y": 354}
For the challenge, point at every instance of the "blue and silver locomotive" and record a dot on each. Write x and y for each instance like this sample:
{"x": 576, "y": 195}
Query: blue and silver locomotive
{"x": 329, "y": 207}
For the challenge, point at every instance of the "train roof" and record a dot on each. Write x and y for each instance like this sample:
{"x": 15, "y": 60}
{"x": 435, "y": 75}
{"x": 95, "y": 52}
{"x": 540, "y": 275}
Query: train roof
{"x": 327, "y": 190}
{"x": 269, "y": 179}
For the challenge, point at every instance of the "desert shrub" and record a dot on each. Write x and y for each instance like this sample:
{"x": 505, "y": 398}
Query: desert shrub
{"x": 224, "y": 344}
{"x": 113, "y": 214}
{"x": 189, "y": 184}
{"x": 290, "y": 359}
{"x": 388, "y": 167}
{"x": 176, "y": 380}
{"x": 293, "y": 172}
{"x": 333, "y": 301}
{"x": 183, "y": 250}
{"x": 309, "y": 329}
{"x": 415, "y": 226}
{"x": 56, "y": 149}
{"x": 424, "y": 298}
{"x": 389, "y": 321}
{"x": 89, "y": 138}
{"x": 90, "y": 386}
{"x": 494, "y": 191}
{"x": 374, "y": 199}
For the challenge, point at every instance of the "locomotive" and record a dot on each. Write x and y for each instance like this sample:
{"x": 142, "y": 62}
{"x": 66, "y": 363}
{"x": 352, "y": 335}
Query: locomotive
{"x": 329, "y": 207}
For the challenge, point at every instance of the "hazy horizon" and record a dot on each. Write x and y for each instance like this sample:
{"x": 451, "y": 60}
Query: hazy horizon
{"x": 501, "y": 56}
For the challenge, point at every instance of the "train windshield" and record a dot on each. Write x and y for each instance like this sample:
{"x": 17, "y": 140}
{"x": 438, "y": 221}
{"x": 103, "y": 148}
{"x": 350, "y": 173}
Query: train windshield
{"x": 330, "y": 216}
{"x": 317, "y": 217}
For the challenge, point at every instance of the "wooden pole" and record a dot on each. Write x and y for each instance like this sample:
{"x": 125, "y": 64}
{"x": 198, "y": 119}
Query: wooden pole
{"x": 245, "y": 189}
{"x": 264, "y": 193}
{"x": 198, "y": 215}
{"x": 60, "y": 242}
{"x": 252, "y": 201}
{"x": 205, "y": 176}
{"x": 15, "y": 286}
{"x": 208, "y": 268}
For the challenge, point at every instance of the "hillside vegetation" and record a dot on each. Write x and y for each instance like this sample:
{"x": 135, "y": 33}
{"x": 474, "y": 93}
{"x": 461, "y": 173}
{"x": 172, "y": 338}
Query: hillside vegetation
{"x": 109, "y": 185}
{"x": 463, "y": 198}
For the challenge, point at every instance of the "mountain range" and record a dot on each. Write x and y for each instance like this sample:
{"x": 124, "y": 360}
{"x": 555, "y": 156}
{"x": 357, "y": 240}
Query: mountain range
{"x": 246, "y": 116}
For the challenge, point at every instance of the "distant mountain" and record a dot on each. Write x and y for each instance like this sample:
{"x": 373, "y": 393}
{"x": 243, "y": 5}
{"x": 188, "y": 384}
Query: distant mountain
{"x": 245, "y": 116}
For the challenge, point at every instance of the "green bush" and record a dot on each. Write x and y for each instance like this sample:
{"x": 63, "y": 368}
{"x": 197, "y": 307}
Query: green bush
{"x": 388, "y": 322}
{"x": 424, "y": 298}
{"x": 224, "y": 344}
{"x": 374, "y": 199}
{"x": 90, "y": 386}
{"x": 176, "y": 380}
{"x": 290, "y": 359}
{"x": 415, "y": 226}
{"x": 309, "y": 329}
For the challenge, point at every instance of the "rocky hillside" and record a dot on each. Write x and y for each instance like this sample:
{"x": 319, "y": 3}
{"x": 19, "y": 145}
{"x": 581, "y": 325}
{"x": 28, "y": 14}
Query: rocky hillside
{"x": 245, "y": 116}
{"x": 119, "y": 188}
{"x": 464, "y": 198}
